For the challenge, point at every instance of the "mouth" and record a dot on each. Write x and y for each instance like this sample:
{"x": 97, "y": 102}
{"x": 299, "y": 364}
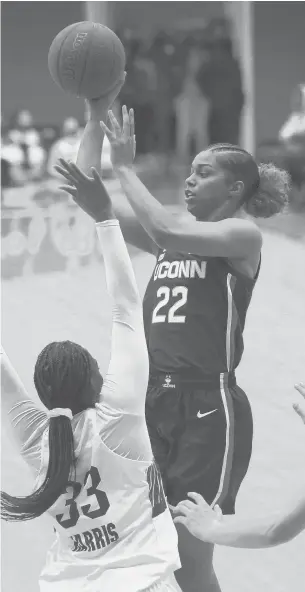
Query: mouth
{"x": 189, "y": 195}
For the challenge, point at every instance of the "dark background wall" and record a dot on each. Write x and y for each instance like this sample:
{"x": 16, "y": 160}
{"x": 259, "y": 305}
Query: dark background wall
{"x": 28, "y": 29}
{"x": 279, "y": 61}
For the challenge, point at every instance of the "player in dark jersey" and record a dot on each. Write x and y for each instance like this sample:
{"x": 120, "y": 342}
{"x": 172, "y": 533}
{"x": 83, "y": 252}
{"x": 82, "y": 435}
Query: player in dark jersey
{"x": 195, "y": 306}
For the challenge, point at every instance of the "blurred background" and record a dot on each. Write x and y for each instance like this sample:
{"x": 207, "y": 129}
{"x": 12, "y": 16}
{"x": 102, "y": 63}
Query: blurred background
{"x": 198, "y": 72}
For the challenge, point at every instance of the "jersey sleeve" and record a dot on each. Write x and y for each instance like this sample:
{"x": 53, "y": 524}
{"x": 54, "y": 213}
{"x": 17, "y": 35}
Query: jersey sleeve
{"x": 28, "y": 422}
{"x": 125, "y": 385}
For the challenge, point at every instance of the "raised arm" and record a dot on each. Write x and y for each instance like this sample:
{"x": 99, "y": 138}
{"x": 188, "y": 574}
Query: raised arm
{"x": 234, "y": 238}
{"x": 89, "y": 155}
{"x": 125, "y": 385}
{"x": 27, "y": 420}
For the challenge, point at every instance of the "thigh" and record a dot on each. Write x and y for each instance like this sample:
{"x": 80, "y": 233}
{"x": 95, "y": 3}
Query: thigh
{"x": 212, "y": 452}
{"x": 162, "y": 418}
{"x": 196, "y": 457}
{"x": 242, "y": 450}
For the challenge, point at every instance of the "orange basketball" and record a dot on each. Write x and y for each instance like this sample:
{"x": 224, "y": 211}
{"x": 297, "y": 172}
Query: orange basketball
{"x": 86, "y": 59}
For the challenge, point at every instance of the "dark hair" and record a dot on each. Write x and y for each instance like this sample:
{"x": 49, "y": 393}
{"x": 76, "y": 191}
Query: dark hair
{"x": 266, "y": 186}
{"x": 62, "y": 376}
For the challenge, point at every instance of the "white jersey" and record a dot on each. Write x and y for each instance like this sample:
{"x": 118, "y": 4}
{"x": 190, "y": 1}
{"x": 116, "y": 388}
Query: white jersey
{"x": 114, "y": 531}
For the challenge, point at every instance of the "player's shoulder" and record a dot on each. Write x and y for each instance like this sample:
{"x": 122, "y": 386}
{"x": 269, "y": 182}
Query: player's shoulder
{"x": 243, "y": 226}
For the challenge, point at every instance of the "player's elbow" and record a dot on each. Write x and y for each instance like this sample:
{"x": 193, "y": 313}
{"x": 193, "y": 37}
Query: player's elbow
{"x": 166, "y": 237}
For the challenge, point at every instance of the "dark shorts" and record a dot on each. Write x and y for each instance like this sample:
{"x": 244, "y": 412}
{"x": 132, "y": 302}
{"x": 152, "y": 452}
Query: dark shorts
{"x": 201, "y": 435}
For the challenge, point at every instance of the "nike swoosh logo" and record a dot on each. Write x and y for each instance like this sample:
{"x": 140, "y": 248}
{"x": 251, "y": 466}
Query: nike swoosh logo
{"x": 204, "y": 414}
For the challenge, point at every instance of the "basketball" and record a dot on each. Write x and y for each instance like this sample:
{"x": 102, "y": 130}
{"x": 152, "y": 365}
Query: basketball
{"x": 86, "y": 59}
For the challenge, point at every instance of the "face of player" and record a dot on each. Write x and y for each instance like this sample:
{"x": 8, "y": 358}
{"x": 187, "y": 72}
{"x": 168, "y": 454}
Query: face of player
{"x": 207, "y": 189}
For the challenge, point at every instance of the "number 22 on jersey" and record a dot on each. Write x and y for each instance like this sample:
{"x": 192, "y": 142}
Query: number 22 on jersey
{"x": 171, "y": 315}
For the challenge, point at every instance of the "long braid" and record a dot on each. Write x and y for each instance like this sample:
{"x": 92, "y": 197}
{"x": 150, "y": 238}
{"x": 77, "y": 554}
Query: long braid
{"x": 62, "y": 376}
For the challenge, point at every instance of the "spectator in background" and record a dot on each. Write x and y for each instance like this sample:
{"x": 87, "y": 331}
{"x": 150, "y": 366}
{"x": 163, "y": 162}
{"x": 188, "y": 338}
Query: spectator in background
{"x": 220, "y": 80}
{"x": 295, "y": 124}
{"x": 162, "y": 52}
{"x": 23, "y": 149}
{"x": 192, "y": 110}
{"x": 66, "y": 146}
{"x": 139, "y": 92}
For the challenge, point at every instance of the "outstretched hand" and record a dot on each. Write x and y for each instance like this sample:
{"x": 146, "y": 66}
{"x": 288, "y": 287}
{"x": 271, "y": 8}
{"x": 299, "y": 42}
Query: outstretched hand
{"x": 300, "y": 407}
{"x": 197, "y": 516}
{"x": 88, "y": 192}
{"x": 122, "y": 139}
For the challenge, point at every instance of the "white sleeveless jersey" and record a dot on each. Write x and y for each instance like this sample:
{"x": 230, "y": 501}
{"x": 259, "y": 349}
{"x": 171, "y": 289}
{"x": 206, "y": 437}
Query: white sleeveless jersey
{"x": 114, "y": 531}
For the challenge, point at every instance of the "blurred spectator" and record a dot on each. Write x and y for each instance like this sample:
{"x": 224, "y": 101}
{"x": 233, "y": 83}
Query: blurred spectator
{"x": 139, "y": 92}
{"x": 66, "y": 146}
{"x": 24, "y": 136}
{"x": 192, "y": 110}
{"x": 295, "y": 124}
{"x": 162, "y": 53}
{"x": 220, "y": 80}
{"x": 11, "y": 162}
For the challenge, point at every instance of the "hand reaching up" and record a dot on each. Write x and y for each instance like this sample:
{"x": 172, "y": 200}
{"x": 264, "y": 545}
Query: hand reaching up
{"x": 88, "y": 192}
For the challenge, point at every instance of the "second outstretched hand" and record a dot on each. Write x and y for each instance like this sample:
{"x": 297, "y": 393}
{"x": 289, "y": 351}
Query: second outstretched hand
{"x": 299, "y": 407}
{"x": 197, "y": 516}
{"x": 122, "y": 138}
{"x": 88, "y": 192}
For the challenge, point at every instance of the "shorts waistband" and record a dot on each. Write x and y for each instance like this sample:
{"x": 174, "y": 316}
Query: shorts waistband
{"x": 173, "y": 380}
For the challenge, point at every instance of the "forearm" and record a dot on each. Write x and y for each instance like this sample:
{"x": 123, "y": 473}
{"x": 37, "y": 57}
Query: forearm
{"x": 91, "y": 145}
{"x": 259, "y": 533}
{"x": 120, "y": 278}
{"x": 154, "y": 217}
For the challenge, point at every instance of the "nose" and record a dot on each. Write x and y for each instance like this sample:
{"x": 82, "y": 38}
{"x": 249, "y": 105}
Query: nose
{"x": 190, "y": 181}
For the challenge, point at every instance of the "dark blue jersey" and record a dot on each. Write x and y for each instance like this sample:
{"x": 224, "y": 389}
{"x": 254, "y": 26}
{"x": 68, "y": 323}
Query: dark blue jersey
{"x": 194, "y": 314}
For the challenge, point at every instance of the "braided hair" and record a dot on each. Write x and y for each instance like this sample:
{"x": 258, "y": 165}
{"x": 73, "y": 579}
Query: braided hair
{"x": 62, "y": 378}
{"x": 266, "y": 187}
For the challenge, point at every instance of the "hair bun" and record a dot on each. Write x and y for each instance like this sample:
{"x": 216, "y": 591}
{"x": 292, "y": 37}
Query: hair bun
{"x": 271, "y": 196}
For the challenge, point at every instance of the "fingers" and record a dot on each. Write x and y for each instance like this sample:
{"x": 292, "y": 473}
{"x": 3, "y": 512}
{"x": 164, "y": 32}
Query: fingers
{"x": 300, "y": 410}
{"x": 300, "y": 387}
{"x": 132, "y": 123}
{"x": 69, "y": 189}
{"x": 218, "y": 512}
{"x": 75, "y": 173}
{"x": 126, "y": 124}
{"x": 115, "y": 124}
{"x": 180, "y": 520}
{"x": 198, "y": 499}
{"x": 185, "y": 507}
{"x": 96, "y": 176}
{"x": 64, "y": 173}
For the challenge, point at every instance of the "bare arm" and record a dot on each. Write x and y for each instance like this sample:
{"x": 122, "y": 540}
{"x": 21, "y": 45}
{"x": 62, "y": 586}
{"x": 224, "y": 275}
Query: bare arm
{"x": 259, "y": 533}
{"x": 232, "y": 238}
{"x": 89, "y": 155}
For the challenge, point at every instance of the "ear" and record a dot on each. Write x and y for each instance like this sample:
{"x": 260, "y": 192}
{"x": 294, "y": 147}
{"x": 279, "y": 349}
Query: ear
{"x": 237, "y": 189}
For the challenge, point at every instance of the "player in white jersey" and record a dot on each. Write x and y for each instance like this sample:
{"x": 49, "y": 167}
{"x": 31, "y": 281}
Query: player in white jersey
{"x": 96, "y": 477}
